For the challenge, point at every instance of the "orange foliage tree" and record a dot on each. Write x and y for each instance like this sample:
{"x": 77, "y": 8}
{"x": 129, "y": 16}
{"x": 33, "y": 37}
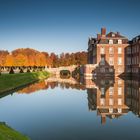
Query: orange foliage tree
{"x": 31, "y": 57}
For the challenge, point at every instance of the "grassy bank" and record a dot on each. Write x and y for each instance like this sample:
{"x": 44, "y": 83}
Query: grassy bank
{"x": 12, "y": 81}
{"x": 7, "y": 133}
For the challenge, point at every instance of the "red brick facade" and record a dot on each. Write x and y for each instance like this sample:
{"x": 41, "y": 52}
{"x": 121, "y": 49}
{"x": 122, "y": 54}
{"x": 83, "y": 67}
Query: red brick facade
{"x": 107, "y": 53}
{"x": 108, "y": 99}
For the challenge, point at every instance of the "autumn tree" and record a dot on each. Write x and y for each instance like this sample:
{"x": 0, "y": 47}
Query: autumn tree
{"x": 9, "y": 60}
{"x": 34, "y": 58}
{"x": 3, "y": 55}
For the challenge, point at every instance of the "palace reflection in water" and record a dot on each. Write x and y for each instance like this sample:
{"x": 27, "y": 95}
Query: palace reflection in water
{"x": 109, "y": 97}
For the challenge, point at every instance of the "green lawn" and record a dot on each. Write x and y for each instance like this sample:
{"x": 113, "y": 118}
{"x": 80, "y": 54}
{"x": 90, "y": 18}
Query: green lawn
{"x": 7, "y": 133}
{"x": 12, "y": 81}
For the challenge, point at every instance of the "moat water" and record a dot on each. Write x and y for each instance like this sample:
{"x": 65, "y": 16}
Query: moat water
{"x": 64, "y": 109}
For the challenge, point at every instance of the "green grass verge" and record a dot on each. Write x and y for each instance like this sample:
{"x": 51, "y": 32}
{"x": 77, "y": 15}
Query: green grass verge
{"x": 7, "y": 133}
{"x": 12, "y": 81}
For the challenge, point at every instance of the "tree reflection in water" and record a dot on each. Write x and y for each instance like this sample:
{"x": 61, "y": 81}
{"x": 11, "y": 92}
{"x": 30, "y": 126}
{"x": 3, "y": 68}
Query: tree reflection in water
{"x": 110, "y": 97}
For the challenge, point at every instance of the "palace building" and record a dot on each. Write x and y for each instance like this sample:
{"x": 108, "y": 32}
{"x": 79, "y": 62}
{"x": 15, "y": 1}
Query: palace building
{"x": 132, "y": 57}
{"x": 106, "y": 54}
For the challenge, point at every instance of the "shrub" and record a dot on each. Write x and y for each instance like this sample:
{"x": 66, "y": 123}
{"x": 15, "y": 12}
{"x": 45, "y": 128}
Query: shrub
{"x": 28, "y": 70}
{"x": 21, "y": 71}
{"x": 11, "y": 71}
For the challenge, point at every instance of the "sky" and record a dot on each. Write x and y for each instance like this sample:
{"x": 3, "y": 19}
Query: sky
{"x": 64, "y": 25}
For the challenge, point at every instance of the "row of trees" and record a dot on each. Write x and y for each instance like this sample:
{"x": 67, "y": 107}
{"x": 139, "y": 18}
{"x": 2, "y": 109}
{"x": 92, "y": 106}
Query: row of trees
{"x": 43, "y": 86}
{"x": 31, "y": 57}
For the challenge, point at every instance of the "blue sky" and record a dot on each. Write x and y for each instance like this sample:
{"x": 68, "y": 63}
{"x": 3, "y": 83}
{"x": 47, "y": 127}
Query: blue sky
{"x": 64, "y": 25}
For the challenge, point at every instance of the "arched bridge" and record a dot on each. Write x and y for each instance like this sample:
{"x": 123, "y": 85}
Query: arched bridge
{"x": 56, "y": 71}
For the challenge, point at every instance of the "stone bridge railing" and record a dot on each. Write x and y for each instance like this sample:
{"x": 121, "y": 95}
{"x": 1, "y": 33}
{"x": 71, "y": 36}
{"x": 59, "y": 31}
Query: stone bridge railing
{"x": 57, "y": 70}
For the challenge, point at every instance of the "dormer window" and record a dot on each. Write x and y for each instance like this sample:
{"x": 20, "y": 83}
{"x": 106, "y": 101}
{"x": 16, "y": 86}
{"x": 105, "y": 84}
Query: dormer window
{"x": 119, "y": 41}
{"x": 113, "y": 35}
{"x": 110, "y": 41}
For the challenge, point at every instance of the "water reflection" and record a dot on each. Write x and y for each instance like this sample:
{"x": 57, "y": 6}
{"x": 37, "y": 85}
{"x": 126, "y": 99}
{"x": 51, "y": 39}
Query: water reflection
{"x": 70, "y": 109}
{"x": 132, "y": 95}
{"x": 52, "y": 83}
{"x": 110, "y": 97}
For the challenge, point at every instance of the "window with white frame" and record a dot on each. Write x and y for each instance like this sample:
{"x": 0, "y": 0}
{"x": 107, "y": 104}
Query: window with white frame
{"x": 111, "y": 61}
{"x": 119, "y": 90}
{"x": 102, "y": 101}
{"x": 102, "y": 91}
{"x": 119, "y": 81}
{"x": 119, "y": 101}
{"x": 119, "y": 110}
{"x": 111, "y": 50}
{"x": 119, "y": 61}
{"x": 113, "y": 35}
{"x": 102, "y": 50}
{"x": 111, "y": 101}
{"x": 110, "y": 41}
{"x": 111, "y": 90}
{"x": 119, "y": 50}
{"x": 120, "y": 70}
{"x": 110, "y": 110}
{"x": 119, "y": 41}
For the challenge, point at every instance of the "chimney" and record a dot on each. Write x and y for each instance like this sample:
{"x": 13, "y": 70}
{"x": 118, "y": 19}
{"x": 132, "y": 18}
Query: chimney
{"x": 98, "y": 36}
{"x": 103, "y": 32}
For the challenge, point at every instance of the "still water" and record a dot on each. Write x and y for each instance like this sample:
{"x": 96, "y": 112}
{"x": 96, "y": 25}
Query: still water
{"x": 64, "y": 109}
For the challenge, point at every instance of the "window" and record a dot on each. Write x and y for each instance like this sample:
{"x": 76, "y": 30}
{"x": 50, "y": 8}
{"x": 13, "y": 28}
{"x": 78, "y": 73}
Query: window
{"x": 119, "y": 90}
{"x": 119, "y": 101}
{"x": 102, "y": 101}
{"x": 102, "y": 61}
{"x": 102, "y": 82}
{"x": 119, "y": 81}
{"x": 110, "y": 41}
{"x": 102, "y": 50}
{"x": 128, "y": 61}
{"x": 111, "y": 102}
{"x": 119, "y": 41}
{"x": 102, "y": 70}
{"x": 111, "y": 50}
{"x": 128, "y": 50}
{"x": 119, "y": 61}
{"x": 102, "y": 91}
{"x": 111, "y": 90}
{"x": 110, "y": 110}
{"x": 119, "y": 70}
{"x": 137, "y": 60}
{"x": 111, "y": 82}
{"x": 111, "y": 60}
{"x": 111, "y": 70}
{"x": 119, "y": 50}
{"x": 113, "y": 35}
{"x": 119, "y": 110}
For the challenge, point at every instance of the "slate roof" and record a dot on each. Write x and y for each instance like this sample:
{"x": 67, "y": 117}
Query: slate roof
{"x": 114, "y": 35}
